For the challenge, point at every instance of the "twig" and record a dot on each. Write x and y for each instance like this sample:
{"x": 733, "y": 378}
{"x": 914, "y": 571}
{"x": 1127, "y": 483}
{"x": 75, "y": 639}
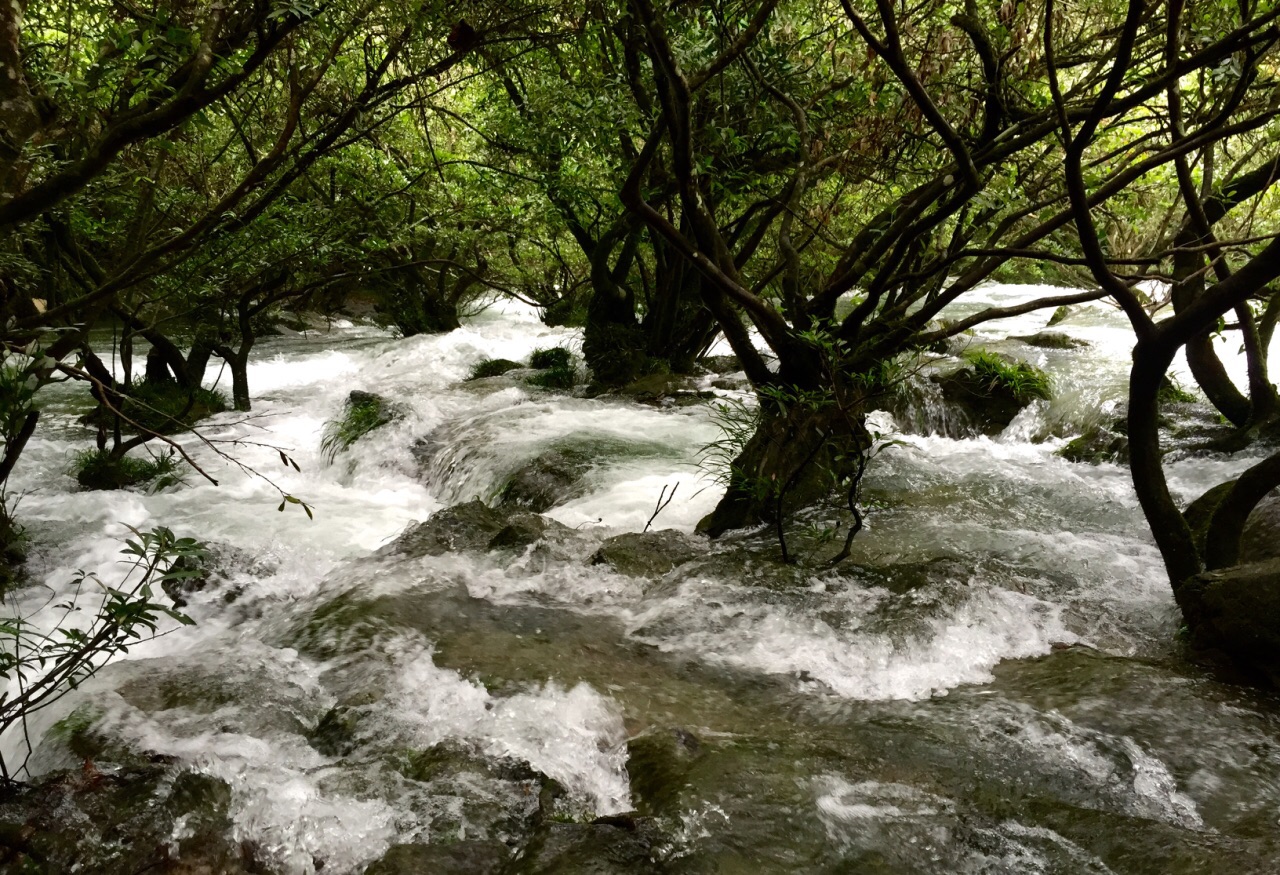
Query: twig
{"x": 661, "y": 505}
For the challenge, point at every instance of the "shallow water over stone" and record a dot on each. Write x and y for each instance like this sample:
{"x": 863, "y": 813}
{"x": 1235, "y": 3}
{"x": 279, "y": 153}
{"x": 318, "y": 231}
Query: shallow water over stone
{"x": 991, "y": 684}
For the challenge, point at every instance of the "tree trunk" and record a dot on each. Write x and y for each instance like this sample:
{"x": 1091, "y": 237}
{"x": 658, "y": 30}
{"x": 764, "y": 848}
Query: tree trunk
{"x": 239, "y": 365}
{"x": 793, "y": 460}
{"x": 1151, "y": 358}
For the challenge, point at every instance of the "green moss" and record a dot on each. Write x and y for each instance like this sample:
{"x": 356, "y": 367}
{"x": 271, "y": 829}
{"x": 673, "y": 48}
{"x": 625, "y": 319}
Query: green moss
{"x": 1024, "y": 382}
{"x": 97, "y": 469}
{"x": 492, "y": 368}
{"x": 556, "y": 357}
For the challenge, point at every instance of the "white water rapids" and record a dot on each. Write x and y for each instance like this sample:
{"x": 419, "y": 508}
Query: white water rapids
{"x": 1036, "y": 654}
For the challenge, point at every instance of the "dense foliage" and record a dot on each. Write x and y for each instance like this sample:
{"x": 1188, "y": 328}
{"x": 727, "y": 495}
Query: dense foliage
{"x": 814, "y": 181}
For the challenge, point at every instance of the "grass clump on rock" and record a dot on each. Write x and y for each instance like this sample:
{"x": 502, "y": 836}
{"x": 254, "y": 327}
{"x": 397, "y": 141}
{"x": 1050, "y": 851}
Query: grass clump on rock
{"x": 492, "y": 368}
{"x": 556, "y": 369}
{"x": 162, "y": 408}
{"x": 98, "y": 469}
{"x": 556, "y": 357}
{"x": 364, "y": 412}
{"x": 1026, "y": 383}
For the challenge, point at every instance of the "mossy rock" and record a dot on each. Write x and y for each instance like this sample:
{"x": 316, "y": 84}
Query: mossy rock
{"x": 552, "y": 478}
{"x": 120, "y": 822}
{"x": 492, "y": 368}
{"x": 163, "y": 408}
{"x": 555, "y": 357}
{"x": 1052, "y": 340}
{"x": 556, "y": 378}
{"x": 988, "y": 403}
{"x": 363, "y": 412}
{"x": 474, "y": 526}
{"x": 661, "y": 389}
{"x": 648, "y": 554}
{"x": 1102, "y": 442}
{"x": 1235, "y": 612}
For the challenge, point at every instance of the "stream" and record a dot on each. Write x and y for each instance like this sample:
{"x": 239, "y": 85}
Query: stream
{"x": 990, "y": 684}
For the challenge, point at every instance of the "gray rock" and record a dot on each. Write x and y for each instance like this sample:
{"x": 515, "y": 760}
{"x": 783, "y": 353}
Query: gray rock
{"x": 551, "y": 479}
{"x": 474, "y": 526}
{"x": 648, "y": 554}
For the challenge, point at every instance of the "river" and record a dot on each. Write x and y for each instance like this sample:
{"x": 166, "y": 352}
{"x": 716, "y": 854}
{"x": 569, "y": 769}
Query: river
{"x": 991, "y": 683}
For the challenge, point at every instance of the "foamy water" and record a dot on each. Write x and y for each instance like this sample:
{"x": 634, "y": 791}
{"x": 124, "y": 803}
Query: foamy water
{"x": 1020, "y": 552}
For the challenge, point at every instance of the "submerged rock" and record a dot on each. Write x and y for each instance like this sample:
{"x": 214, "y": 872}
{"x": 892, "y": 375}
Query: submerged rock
{"x": 619, "y": 845}
{"x": 474, "y": 526}
{"x": 648, "y": 554}
{"x": 658, "y": 766}
{"x": 460, "y": 857}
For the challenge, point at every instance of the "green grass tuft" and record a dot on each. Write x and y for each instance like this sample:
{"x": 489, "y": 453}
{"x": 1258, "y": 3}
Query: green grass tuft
{"x": 363, "y": 413}
{"x": 1024, "y": 382}
{"x": 1172, "y": 392}
{"x": 556, "y": 357}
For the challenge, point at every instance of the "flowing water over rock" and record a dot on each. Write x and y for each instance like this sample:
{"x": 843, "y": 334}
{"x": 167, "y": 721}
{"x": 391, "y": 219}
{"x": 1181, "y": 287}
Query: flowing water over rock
{"x": 991, "y": 684}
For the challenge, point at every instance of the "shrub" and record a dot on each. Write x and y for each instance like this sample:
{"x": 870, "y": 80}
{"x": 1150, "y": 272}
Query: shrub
{"x": 1024, "y": 382}
{"x": 492, "y": 368}
{"x": 556, "y": 357}
{"x": 48, "y": 664}
{"x": 97, "y": 469}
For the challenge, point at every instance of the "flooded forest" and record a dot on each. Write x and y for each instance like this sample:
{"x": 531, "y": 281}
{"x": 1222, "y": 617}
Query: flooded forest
{"x": 751, "y": 436}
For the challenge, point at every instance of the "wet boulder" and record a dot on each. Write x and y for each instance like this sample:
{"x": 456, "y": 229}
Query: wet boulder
{"x": 466, "y": 857}
{"x": 991, "y": 390}
{"x": 550, "y": 479}
{"x": 1261, "y": 539}
{"x": 1236, "y": 612}
{"x": 616, "y": 845}
{"x": 474, "y": 526}
{"x": 648, "y": 554}
{"x": 1101, "y": 442}
{"x": 119, "y": 821}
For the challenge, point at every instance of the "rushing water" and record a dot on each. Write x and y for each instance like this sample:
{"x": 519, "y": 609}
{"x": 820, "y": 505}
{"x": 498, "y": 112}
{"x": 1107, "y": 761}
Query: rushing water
{"x": 991, "y": 684}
